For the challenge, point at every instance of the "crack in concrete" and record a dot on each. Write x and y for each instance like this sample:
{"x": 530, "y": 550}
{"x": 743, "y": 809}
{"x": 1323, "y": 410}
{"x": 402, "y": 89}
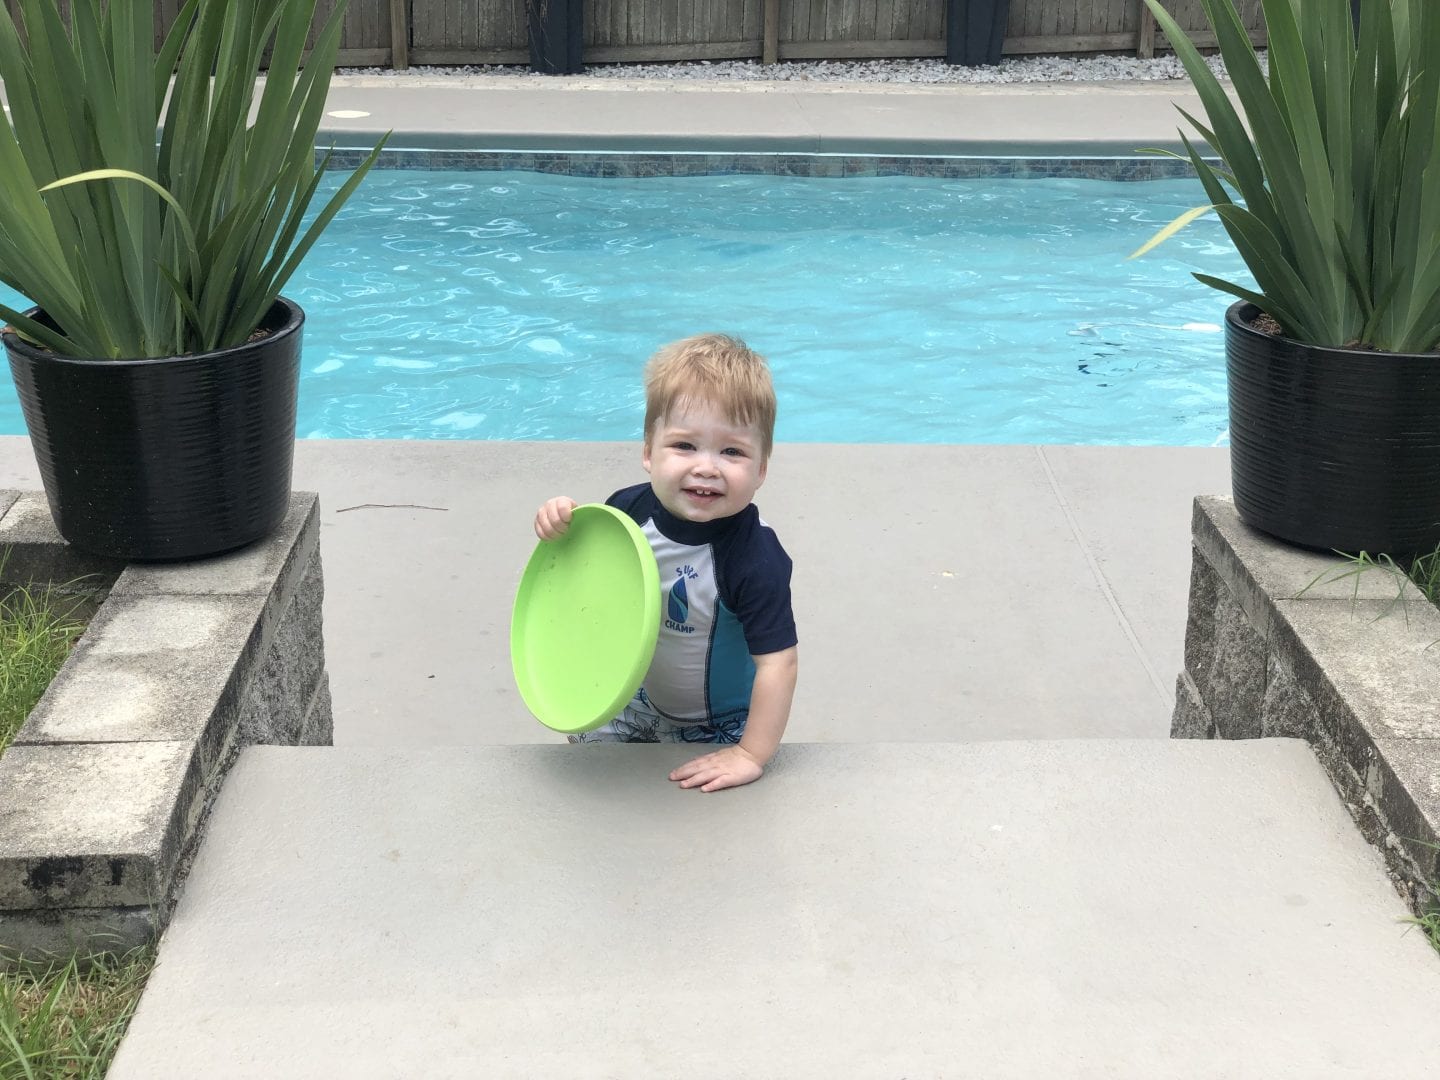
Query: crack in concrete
{"x": 1161, "y": 687}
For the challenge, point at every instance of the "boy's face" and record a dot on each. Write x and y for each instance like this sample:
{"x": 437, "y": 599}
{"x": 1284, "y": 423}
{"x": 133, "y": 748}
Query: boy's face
{"x": 702, "y": 466}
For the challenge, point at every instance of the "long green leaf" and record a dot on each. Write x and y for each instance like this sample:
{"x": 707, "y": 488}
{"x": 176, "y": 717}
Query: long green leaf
{"x": 312, "y": 234}
{"x": 105, "y": 46}
{"x": 125, "y": 174}
{"x": 1291, "y": 302}
{"x": 169, "y": 53}
{"x": 1418, "y": 204}
{"x": 37, "y": 333}
{"x": 274, "y": 114}
{"x": 185, "y": 133}
{"x": 1292, "y": 89}
{"x": 1377, "y": 330}
{"x": 302, "y": 113}
{"x": 1209, "y": 177}
{"x": 1286, "y": 181}
{"x": 41, "y": 91}
{"x": 1425, "y": 332}
{"x": 26, "y": 222}
{"x": 1229, "y": 138}
{"x": 1239, "y": 291}
{"x": 231, "y": 94}
{"x": 1331, "y": 76}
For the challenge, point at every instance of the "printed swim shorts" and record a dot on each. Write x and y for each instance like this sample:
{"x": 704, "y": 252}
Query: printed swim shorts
{"x": 641, "y": 723}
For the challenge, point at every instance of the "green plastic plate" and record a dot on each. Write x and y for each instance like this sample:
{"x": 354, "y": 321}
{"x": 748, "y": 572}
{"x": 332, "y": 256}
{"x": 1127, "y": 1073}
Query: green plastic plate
{"x": 586, "y": 619}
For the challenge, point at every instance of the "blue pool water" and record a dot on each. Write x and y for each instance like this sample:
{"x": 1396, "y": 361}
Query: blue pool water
{"x": 483, "y": 305}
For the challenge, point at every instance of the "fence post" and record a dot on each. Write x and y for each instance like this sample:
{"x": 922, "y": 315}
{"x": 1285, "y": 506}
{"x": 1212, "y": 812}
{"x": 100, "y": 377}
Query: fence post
{"x": 399, "y": 34}
{"x": 557, "y": 41}
{"x": 770, "y": 50}
{"x": 1145, "y": 36}
{"x": 975, "y": 31}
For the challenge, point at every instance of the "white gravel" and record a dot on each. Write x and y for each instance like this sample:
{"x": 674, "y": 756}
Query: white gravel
{"x": 1026, "y": 69}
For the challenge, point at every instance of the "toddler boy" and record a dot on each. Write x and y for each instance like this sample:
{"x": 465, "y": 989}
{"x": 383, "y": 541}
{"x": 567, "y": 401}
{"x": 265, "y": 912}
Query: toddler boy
{"x": 725, "y": 664}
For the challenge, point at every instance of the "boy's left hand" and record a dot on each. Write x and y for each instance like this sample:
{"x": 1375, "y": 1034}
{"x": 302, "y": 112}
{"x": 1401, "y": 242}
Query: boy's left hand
{"x": 725, "y": 768}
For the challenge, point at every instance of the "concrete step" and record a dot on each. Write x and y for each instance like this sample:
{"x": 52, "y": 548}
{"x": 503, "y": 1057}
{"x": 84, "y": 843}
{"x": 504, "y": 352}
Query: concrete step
{"x": 1011, "y": 909}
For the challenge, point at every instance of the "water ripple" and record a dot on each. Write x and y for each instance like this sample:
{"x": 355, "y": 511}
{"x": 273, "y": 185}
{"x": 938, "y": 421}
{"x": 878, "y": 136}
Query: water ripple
{"x": 511, "y": 305}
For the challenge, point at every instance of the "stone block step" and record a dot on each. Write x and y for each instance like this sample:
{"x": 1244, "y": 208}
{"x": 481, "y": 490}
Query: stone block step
{"x": 1007, "y": 909}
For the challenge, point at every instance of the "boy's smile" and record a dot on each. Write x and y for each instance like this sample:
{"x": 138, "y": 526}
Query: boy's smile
{"x": 702, "y": 465}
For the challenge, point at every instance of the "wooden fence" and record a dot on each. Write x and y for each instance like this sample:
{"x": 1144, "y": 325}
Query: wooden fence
{"x": 631, "y": 31}
{"x": 400, "y": 33}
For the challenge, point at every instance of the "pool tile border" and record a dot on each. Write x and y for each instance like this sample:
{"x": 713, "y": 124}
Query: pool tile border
{"x": 631, "y": 165}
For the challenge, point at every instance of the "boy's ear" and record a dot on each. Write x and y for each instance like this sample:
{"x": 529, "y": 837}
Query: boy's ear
{"x": 645, "y": 454}
{"x": 764, "y": 465}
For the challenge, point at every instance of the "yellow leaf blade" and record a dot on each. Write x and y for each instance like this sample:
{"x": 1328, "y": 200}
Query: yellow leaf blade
{"x": 1170, "y": 230}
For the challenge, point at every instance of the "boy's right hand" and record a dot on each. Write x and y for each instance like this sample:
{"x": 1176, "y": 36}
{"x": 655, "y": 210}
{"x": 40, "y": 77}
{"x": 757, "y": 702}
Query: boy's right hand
{"x": 552, "y": 519}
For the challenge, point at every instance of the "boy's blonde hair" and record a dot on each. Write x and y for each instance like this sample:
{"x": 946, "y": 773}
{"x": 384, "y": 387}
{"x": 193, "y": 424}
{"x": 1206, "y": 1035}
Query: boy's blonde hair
{"x": 716, "y": 369}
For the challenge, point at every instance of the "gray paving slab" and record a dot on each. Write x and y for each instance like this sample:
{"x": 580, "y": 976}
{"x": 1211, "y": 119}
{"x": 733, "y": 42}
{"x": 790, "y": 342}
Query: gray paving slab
{"x": 944, "y": 593}
{"x": 1052, "y": 119}
{"x": 90, "y": 823}
{"x": 1079, "y": 909}
{"x": 945, "y": 596}
{"x": 155, "y": 669}
{"x": 1128, "y": 509}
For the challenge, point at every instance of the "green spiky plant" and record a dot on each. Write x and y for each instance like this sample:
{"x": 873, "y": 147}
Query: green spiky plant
{"x": 1338, "y": 177}
{"x": 135, "y": 246}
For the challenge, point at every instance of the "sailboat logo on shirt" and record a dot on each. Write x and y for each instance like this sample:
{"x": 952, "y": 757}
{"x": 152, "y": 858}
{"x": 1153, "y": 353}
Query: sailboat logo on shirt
{"x": 677, "y": 604}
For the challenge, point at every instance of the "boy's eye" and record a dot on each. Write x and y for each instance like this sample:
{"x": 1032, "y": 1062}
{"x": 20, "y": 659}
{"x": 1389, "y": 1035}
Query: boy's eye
{"x": 733, "y": 451}
{"x": 683, "y": 446}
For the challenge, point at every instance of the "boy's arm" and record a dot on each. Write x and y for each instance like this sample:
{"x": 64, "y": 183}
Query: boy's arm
{"x": 770, "y": 697}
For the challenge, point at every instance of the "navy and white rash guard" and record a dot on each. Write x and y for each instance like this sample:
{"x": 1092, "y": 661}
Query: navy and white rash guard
{"x": 725, "y": 594}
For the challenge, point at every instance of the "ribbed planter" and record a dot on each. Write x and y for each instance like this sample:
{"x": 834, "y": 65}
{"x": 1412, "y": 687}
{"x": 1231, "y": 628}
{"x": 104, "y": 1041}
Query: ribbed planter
{"x": 173, "y": 458}
{"x": 1333, "y": 449}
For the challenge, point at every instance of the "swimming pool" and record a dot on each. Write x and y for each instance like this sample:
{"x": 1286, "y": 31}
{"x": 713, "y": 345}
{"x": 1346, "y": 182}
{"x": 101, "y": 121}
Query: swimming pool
{"x": 509, "y": 305}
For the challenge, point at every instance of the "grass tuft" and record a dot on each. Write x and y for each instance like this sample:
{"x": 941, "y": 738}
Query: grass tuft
{"x": 1429, "y": 925}
{"x": 37, "y": 632}
{"x": 1423, "y": 572}
{"x": 1429, "y": 922}
{"x": 65, "y": 1021}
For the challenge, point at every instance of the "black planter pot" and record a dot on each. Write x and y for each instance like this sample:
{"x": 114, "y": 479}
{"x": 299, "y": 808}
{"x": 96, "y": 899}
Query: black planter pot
{"x": 557, "y": 36}
{"x": 975, "y": 31}
{"x": 1333, "y": 449}
{"x": 173, "y": 458}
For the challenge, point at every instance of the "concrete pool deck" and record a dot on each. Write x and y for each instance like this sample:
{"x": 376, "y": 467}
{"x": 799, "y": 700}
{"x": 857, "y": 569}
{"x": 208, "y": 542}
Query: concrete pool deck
{"x": 578, "y": 113}
{"x": 943, "y": 593}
